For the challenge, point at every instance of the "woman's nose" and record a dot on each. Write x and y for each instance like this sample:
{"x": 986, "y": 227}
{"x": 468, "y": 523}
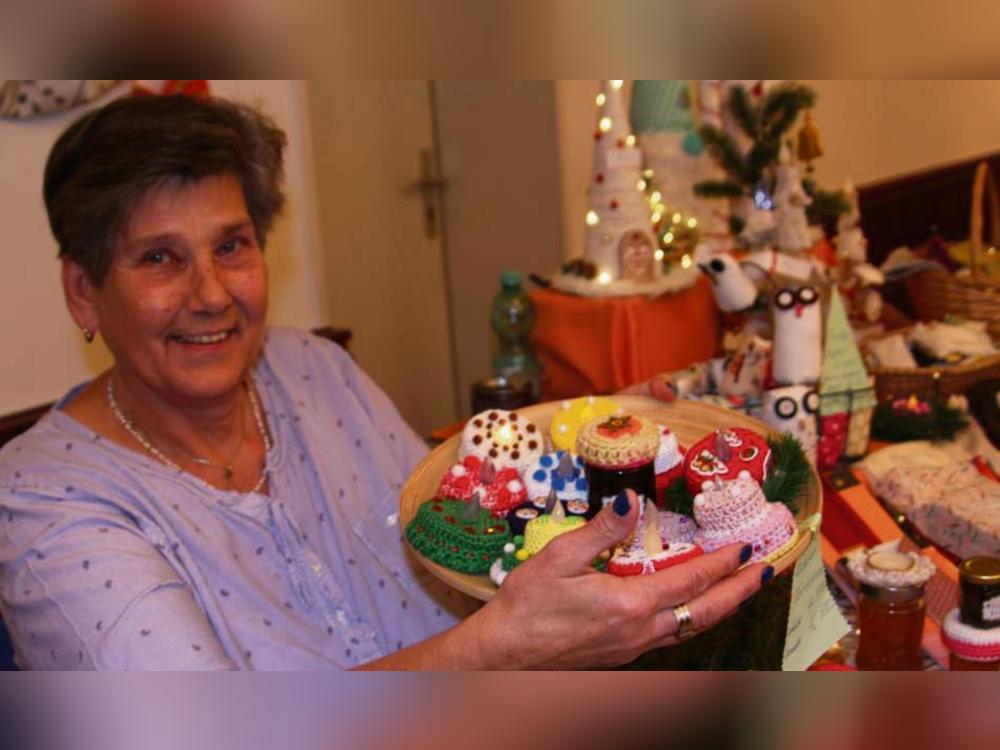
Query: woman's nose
{"x": 210, "y": 293}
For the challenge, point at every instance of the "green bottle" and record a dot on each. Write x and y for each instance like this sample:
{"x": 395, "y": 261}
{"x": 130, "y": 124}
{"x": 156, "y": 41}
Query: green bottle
{"x": 512, "y": 317}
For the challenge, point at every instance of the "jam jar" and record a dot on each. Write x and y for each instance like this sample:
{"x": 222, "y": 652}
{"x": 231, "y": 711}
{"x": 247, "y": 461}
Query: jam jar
{"x": 618, "y": 453}
{"x": 891, "y": 606}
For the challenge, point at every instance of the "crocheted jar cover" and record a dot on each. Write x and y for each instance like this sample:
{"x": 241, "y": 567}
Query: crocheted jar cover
{"x": 618, "y": 442}
{"x": 974, "y": 644}
{"x": 633, "y": 565}
{"x": 747, "y": 451}
{"x": 544, "y": 529}
{"x": 439, "y": 533}
{"x": 505, "y": 492}
{"x": 505, "y": 437}
{"x": 566, "y": 423}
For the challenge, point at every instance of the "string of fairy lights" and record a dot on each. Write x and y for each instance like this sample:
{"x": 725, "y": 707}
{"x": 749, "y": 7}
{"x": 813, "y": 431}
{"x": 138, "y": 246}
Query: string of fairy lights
{"x": 676, "y": 233}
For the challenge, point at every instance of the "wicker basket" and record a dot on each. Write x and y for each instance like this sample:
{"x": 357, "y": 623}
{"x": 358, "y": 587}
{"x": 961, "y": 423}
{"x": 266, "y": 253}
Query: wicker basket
{"x": 939, "y": 381}
{"x": 935, "y": 294}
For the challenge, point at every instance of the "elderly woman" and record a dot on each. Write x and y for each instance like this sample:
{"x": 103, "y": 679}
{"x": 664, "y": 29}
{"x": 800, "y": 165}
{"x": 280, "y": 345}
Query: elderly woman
{"x": 225, "y": 495}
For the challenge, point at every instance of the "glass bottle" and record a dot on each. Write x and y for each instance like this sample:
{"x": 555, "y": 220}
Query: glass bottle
{"x": 512, "y": 317}
{"x": 892, "y": 626}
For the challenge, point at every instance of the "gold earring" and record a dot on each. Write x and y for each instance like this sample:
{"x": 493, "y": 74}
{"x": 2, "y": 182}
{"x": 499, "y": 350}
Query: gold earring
{"x": 88, "y": 335}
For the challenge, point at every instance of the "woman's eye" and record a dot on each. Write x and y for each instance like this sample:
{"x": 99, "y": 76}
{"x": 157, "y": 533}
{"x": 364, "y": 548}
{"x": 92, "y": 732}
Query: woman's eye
{"x": 156, "y": 257}
{"x": 231, "y": 246}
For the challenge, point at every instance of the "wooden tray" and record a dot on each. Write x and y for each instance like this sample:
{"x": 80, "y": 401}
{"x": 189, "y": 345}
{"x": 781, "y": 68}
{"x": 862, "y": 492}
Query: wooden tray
{"x": 690, "y": 421}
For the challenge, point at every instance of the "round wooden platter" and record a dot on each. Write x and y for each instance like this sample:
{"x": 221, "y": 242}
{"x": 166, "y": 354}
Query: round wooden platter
{"x": 690, "y": 420}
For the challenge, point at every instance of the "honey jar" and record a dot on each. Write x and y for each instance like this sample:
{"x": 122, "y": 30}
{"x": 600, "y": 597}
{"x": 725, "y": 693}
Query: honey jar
{"x": 891, "y": 606}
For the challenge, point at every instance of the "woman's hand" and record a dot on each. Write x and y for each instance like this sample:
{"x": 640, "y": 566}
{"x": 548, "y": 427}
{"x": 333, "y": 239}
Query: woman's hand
{"x": 657, "y": 387}
{"x": 556, "y": 611}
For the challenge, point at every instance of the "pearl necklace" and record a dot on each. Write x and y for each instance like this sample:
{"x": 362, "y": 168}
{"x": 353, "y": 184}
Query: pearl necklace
{"x": 157, "y": 453}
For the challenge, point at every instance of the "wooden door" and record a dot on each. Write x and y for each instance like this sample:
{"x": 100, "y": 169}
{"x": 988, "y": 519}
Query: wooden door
{"x": 384, "y": 271}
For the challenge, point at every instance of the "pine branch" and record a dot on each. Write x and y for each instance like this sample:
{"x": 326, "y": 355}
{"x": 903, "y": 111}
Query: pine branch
{"x": 725, "y": 151}
{"x": 826, "y": 203}
{"x": 789, "y": 471}
{"x": 718, "y": 189}
{"x": 781, "y": 107}
{"x": 744, "y": 112}
{"x": 761, "y": 156}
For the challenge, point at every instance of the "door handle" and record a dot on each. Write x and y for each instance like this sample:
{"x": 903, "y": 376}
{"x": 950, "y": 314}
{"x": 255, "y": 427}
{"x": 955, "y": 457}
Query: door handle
{"x": 431, "y": 186}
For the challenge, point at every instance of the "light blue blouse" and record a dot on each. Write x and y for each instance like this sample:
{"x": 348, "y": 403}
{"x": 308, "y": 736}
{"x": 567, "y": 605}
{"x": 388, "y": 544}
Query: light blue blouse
{"x": 111, "y": 560}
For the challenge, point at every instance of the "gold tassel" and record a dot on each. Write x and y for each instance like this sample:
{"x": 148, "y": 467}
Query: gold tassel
{"x": 809, "y": 147}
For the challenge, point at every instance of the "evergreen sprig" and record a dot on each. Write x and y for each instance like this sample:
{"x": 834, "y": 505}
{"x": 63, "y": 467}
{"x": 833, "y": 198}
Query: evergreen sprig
{"x": 943, "y": 422}
{"x": 718, "y": 189}
{"x": 725, "y": 151}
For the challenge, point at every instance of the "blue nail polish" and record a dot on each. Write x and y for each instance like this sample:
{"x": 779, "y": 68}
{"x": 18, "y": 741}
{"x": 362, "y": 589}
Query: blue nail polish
{"x": 745, "y": 553}
{"x": 621, "y": 504}
{"x": 767, "y": 575}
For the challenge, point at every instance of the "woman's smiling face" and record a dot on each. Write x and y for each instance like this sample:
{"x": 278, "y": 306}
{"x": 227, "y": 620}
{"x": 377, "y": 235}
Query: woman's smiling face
{"x": 184, "y": 303}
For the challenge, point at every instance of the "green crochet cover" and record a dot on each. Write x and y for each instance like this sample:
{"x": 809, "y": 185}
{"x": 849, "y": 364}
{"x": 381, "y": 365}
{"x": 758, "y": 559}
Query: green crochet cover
{"x": 439, "y": 533}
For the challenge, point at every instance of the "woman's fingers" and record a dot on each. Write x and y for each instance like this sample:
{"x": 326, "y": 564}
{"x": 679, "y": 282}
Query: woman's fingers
{"x": 573, "y": 553}
{"x": 714, "y": 605}
{"x": 684, "y": 582}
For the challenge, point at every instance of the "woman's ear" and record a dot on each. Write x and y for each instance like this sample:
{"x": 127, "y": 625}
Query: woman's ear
{"x": 79, "y": 292}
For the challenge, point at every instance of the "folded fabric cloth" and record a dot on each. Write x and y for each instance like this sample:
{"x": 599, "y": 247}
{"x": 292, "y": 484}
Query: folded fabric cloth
{"x": 953, "y": 505}
{"x": 941, "y": 340}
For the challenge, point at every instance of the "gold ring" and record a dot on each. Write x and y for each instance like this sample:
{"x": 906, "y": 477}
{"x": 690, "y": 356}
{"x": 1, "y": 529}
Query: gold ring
{"x": 683, "y": 616}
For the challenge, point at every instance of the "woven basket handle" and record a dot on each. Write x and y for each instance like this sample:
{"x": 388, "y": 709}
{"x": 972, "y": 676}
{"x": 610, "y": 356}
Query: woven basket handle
{"x": 984, "y": 182}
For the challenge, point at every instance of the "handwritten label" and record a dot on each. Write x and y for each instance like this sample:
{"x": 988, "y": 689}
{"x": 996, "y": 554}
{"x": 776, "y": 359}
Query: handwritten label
{"x": 814, "y": 621}
{"x": 845, "y": 384}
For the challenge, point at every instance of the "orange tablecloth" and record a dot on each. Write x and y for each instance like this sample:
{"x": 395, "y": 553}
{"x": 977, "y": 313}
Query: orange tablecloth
{"x": 603, "y": 345}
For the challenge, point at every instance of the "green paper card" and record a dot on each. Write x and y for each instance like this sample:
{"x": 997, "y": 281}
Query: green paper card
{"x": 814, "y": 621}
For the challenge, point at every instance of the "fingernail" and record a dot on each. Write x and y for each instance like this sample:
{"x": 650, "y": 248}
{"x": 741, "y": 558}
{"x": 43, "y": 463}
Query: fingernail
{"x": 767, "y": 575}
{"x": 745, "y": 553}
{"x": 622, "y": 504}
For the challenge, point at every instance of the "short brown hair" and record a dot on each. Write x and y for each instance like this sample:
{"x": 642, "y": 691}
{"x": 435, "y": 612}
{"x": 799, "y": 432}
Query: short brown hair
{"x": 109, "y": 158}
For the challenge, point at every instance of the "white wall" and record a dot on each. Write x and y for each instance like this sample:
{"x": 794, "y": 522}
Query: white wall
{"x": 871, "y": 130}
{"x": 41, "y": 351}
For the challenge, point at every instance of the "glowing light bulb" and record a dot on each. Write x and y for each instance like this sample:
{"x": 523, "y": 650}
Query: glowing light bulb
{"x": 616, "y": 84}
{"x": 668, "y": 237}
{"x": 604, "y": 125}
{"x": 676, "y": 218}
{"x": 656, "y": 197}
{"x": 658, "y": 255}
{"x": 592, "y": 218}
{"x": 630, "y": 140}
{"x": 692, "y": 222}
{"x": 604, "y": 278}
{"x": 504, "y": 434}
{"x": 641, "y": 185}
{"x": 601, "y": 98}
{"x": 655, "y": 217}
{"x": 686, "y": 261}
{"x": 647, "y": 173}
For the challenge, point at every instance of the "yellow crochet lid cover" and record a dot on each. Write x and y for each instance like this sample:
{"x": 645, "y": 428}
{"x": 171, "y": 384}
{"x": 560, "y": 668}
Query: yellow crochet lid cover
{"x": 566, "y": 423}
{"x": 618, "y": 442}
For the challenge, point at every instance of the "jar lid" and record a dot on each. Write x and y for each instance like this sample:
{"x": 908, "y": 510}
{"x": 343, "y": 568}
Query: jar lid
{"x": 886, "y": 567}
{"x": 618, "y": 442}
{"x": 980, "y": 570}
